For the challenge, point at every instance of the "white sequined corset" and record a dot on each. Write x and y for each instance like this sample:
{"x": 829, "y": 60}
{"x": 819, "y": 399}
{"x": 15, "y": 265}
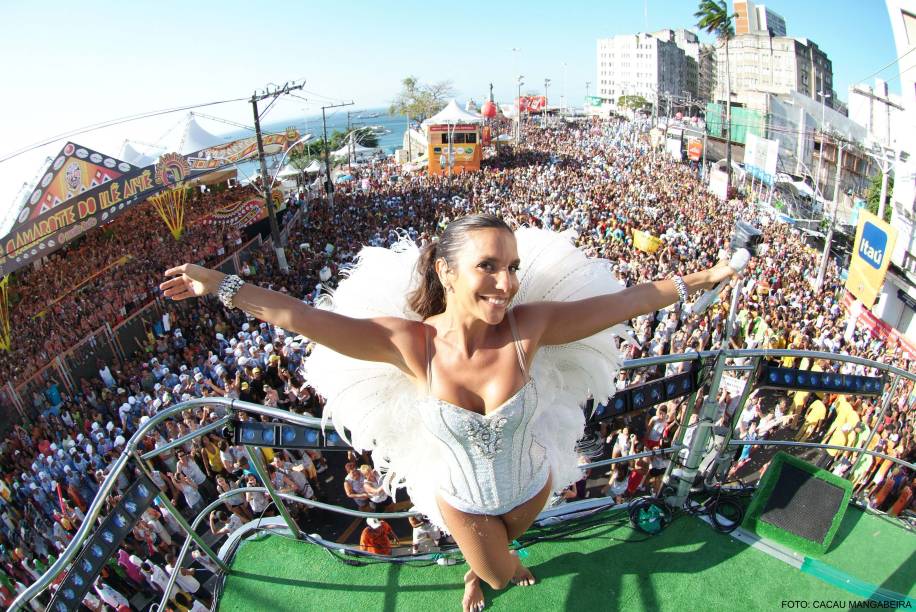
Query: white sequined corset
{"x": 493, "y": 463}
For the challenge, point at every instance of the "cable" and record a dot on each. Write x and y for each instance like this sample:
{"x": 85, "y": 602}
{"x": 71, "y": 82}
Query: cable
{"x": 649, "y": 514}
{"x": 109, "y": 123}
{"x": 886, "y": 67}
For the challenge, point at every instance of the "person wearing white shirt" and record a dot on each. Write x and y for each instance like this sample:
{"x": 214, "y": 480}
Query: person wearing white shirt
{"x": 110, "y": 596}
{"x": 185, "y": 578}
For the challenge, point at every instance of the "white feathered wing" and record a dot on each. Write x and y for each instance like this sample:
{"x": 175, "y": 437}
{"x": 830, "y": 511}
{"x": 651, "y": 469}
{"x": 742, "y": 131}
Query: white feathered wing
{"x": 378, "y": 405}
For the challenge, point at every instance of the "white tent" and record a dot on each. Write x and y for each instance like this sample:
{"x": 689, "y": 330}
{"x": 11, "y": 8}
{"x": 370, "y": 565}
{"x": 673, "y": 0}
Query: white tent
{"x": 288, "y": 171}
{"x": 357, "y": 150}
{"x": 313, "y": 167}
{"x": 188, "y": 137}
{"x": 132, "y": 156}
{"x": 452, "y": 113}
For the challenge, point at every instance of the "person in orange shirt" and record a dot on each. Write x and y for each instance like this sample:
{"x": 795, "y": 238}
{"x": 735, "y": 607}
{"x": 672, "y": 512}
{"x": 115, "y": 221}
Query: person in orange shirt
{"x": 378, "y": 537}
{"x": 903, "y": 501}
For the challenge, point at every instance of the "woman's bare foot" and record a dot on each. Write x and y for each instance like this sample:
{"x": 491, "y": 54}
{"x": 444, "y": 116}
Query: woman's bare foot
{"x": 522, "y": 576}
{"x": 473, "y": 595}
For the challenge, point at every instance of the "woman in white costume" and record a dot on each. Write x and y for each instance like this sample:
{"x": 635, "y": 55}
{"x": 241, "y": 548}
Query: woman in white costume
{"x": 462, "y": 367}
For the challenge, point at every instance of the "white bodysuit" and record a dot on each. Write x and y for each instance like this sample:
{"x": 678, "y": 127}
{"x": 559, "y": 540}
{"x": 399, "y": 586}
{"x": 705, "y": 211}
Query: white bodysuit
{"x": 492, "y": 462}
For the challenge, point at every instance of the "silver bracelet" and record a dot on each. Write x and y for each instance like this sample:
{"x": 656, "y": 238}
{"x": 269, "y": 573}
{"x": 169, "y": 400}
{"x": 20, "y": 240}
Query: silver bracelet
{"x": 681, "y": 287}
{"x": 227, "y": 290}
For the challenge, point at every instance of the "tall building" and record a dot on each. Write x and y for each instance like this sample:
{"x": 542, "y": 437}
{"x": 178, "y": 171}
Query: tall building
{"x": 699, "y": 62}
{"x": 753, "y": 18}
{"x": 639, "y": 65}
{"x": 774, "y": 64}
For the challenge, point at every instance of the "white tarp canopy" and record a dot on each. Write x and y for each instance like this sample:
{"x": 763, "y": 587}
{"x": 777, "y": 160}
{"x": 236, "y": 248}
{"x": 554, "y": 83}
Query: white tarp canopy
{"x": 288, "y": 171}
{"x": 188, "y": 136}
{"x": 356, "y": 150}
{"x": 452, "y": 113}
{"x": 313, "y": 167}
{"x": 132, "y": 156}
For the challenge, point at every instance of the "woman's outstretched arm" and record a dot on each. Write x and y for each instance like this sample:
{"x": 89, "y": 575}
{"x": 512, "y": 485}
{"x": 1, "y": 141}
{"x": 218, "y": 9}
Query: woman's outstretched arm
{"x": 561, "y": 322}
{"x": 385, "y": 339}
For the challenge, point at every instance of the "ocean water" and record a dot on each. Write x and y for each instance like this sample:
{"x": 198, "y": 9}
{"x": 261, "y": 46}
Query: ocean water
{"x": 395, "y": 124}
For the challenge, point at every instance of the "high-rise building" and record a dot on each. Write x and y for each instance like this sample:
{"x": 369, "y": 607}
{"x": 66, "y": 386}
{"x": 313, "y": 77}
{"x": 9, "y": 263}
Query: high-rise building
{"x": 774, "y": 64}
{"x": 639, "y": 65}
{"x": 753, "y": 18}
{"x": 690, "y": 45}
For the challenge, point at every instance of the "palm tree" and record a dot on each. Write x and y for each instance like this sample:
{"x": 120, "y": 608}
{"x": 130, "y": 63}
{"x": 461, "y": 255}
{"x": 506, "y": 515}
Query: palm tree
{"x": 713, "y": 17}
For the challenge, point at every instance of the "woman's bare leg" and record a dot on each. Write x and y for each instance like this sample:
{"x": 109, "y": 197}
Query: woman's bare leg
{"x": 517, "y": 522}
{"x": 484, "y": 542}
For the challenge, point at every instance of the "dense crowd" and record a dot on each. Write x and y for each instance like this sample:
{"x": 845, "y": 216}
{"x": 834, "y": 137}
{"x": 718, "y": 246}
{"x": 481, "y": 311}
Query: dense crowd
{"x": 104, "y": 277}
{"x": 598, "y": 179}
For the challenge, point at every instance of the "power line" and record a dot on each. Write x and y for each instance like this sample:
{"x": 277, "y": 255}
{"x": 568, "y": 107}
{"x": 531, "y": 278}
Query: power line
{"x": 876, "y": 73}
{"x": 110, "y": 123}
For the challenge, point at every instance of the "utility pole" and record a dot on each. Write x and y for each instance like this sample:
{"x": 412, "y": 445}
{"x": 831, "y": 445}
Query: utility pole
{"x": 409, "y": 148}
{"x": 329, "y": 185}
{"x": 268, "y": 200}
{"x": 349, "y": 142}
{"x": 518, "y": 108}
{"x": 546, "y": 85}
{"x": 822, "y": 271}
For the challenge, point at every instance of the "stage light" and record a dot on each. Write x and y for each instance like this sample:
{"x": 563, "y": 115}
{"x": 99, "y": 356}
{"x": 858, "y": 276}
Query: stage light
{"x": 646, "y": 395}
{"x": 775, "y": 377}
{"x": 276, "y": 435}
{"x": 102, "y": 546}
{"x": 621, "y": 402}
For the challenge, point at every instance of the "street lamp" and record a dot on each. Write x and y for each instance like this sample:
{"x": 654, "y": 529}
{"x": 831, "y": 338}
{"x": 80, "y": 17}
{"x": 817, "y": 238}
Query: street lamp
{"x": 302, "y": 140}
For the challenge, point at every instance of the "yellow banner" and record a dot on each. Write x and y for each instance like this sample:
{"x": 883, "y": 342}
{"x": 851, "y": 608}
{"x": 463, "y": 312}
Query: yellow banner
{"x": 871, "y": 255}
{"x": 645, "y": 241}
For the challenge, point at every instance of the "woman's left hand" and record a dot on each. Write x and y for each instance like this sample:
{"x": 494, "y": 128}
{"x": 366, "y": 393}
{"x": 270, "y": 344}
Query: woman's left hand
{"x": 719, "y": 273}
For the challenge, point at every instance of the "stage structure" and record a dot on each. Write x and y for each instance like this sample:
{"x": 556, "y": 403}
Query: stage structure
{"x": 83, "y": 189}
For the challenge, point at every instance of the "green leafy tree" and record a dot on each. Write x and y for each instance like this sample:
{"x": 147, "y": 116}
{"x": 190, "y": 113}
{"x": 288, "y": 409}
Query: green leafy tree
{"x": 713, "y": 17}
{"x": 632, "y": 102}
{"x": 420, "y": 101}
{"x": 873, "y": 196}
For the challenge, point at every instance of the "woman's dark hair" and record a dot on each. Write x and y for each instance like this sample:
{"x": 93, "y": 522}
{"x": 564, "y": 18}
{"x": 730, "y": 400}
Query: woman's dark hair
{"x": 429, "y": 297}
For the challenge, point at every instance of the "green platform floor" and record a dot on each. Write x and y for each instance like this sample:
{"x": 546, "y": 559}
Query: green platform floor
{"x": 687, "y": 567}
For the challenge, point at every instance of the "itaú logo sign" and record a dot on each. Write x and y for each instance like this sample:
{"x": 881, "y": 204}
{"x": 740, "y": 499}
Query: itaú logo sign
{"x": 873, "y": 245}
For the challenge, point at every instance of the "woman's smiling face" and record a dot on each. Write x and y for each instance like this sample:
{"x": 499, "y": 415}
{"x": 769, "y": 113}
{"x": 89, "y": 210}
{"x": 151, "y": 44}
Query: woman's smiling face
{"x": 484, "y": 279}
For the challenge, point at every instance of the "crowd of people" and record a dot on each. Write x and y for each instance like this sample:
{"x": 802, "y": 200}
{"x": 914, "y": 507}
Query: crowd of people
{"x": 597, "y": 178}
{"x": 108, "y": 274}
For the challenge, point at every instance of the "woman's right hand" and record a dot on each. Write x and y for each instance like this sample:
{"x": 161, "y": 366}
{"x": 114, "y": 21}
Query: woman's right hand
{"x": 191, "y": 280}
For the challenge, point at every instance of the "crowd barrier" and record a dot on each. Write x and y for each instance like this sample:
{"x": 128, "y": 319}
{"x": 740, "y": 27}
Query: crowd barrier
{"x": 106, "y": 345}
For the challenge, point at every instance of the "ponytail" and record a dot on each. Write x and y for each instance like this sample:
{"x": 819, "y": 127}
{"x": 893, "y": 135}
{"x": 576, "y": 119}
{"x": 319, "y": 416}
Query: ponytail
{"x": 428, "y": 298}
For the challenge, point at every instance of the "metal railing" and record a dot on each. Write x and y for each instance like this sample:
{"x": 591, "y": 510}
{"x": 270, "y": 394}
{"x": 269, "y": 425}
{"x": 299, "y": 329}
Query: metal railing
{"x": 698, "y": 445}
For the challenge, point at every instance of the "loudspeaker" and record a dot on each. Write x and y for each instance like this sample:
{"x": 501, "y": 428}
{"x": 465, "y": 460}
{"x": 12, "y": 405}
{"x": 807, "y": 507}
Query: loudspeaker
{"x": 798, "y": 504}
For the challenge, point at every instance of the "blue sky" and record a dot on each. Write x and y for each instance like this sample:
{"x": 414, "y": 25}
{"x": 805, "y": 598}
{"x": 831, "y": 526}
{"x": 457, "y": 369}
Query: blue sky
{"x": 69, "y": 64}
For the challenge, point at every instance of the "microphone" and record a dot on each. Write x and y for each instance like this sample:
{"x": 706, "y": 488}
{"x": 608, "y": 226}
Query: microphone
{"x": 738, "y": 262}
